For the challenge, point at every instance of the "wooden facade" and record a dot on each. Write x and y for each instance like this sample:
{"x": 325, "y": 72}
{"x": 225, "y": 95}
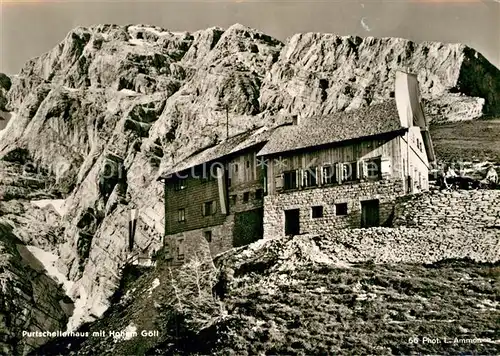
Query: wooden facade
{"x": 371, "y": 158}
{"x": 351, "y": 184}
{"x": 185, "y": 202}
{"x": 220, "y": 201}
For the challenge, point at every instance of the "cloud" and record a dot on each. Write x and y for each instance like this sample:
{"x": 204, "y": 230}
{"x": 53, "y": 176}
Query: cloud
{"x": 365, "y": 26}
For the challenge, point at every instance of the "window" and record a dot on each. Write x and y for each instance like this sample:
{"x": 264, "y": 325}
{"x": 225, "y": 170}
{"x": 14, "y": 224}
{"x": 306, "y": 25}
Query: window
{"x": 309, "y": 177}
{"x": 317, "y": 212}
{"x": 209, "y": 208}
{"x": 180, "y": 249}
{"x": 248, "y": 164}
{"x": 208, "y": 236}
{"x": 180, "y": 184}
{"x": 232, "y": 199}
{"x": 259, "y": 193}
{"x": 235, "y": 167}
{"x": 341, "y": 209}
{"x": 373, "y": 168}
{"x": 181, "y": 215}
{"x": 328, "y": 174}
{"x": 246, "y": 197}
{"x": 349, "y": 171}
{"x": 290, "y": 180}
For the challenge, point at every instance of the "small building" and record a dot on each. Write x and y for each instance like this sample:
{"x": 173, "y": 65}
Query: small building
{"x": 346, "y": 169}
{"x": 215, "y": 197}
{"x": 343, "y": 170}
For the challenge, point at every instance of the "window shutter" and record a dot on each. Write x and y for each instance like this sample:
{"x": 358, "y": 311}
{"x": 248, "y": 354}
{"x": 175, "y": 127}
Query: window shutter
{"x": 338, "y": 172}
{"x": 298, "y": 179}
{"x": 279, "y": 181}
{"x": 317, "y": 177}
{"x": 385, "y": 167}
{"x": 361, "y": 170}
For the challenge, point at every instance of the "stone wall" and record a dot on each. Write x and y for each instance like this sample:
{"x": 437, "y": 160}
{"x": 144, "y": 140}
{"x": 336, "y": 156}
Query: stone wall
{"x": 451, "y": 209}
{"x": 385, "y": 191}
{"x": 192, "y": 241}
{"x": 410, "y": 245}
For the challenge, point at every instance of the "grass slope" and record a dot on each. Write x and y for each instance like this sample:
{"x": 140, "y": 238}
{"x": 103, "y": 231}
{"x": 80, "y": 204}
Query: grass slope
{"x": 366, "y": 309}
{"x": 467, "y": 140}
{"x": 312, "y": 308}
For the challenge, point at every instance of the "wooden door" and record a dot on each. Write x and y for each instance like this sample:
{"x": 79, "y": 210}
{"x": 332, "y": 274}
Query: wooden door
{"x": 292, "y": 222}
{"x": 370, "y": 213}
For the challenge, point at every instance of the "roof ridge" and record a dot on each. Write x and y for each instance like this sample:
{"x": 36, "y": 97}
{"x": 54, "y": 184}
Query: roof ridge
{"x": 340, "y": 126}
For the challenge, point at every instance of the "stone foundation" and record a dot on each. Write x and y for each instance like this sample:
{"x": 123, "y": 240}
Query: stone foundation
{"x": 386, "y": 191}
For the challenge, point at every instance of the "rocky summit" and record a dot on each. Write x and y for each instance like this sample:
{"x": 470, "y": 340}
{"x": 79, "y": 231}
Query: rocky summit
{"x": 141, "y": 98}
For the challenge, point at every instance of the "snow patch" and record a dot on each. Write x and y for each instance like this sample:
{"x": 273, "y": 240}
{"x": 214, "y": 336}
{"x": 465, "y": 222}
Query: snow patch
{"x": 126, "y": 334}
{"x": 57, "y": 204}
{"x": 127, "y": 297}
{"x": 154, "y": 285}
{"x": 155, "y": 31}
{"x": 143, "y": 262}
{"x": 49, "y": 261}
{"x": 9, "y": 117}
{"x": 137, "y": 42}
{"x": 80, "y": 311}
{"x": 70, "y": 89}
{"x": 4, "y": 119}
{"x": 129, "y": 92}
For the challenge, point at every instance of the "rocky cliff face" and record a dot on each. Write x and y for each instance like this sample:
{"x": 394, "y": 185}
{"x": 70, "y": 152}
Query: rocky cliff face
{"x": 30, "y": 301}
{"x": 5, "y": 84}
{"x": 100, "y": 114}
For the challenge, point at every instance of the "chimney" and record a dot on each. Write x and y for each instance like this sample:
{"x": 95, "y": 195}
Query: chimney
{"x": 295, "y": 120}
{"x": 407, "y": 94}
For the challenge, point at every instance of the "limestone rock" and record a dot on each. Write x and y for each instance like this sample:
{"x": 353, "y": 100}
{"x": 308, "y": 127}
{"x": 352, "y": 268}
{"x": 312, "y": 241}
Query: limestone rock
{"x": 5, "y": 84}
{"x": 29, "y": 299}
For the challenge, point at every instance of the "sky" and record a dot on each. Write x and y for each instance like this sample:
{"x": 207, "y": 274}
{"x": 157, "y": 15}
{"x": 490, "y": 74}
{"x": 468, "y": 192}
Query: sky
{"x": 31, "y": 28}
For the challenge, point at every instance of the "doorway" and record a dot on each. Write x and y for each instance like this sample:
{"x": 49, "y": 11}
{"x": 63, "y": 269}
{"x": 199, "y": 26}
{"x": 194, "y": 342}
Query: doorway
{"x": 292, "y": 222}
{"x": 370, "y": 213}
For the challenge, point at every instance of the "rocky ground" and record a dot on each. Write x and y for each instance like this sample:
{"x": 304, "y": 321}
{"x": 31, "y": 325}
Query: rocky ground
{"x": 93, "y": 122}
{"x": 297, "y": 296}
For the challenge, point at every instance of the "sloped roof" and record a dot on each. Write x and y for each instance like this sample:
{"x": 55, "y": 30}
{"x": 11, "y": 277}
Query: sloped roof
{"x": 338, "y": 127}
{"x": 223, "y": 149}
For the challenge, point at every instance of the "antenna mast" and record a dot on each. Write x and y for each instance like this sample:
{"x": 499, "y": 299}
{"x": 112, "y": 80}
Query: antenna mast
{"x": 227, "y": 121}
